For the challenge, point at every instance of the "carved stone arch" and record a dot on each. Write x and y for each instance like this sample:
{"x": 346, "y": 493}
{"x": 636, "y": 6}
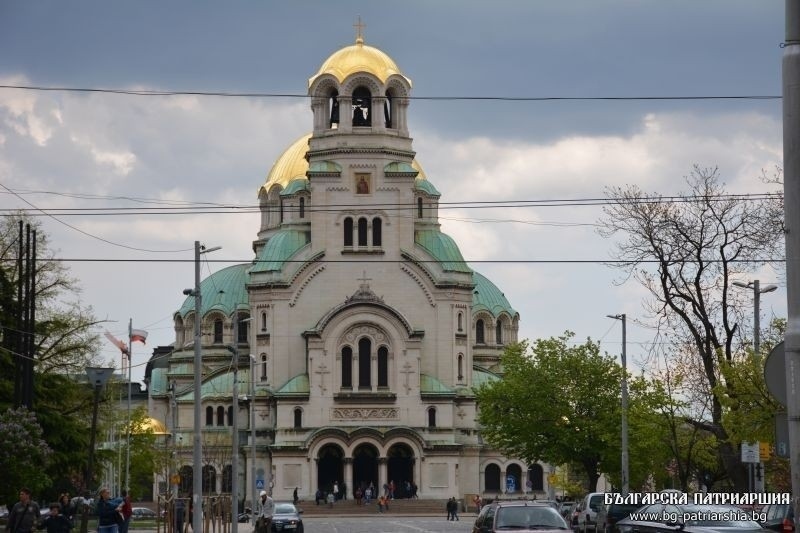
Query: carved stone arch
{"x": 180, "y": 331}
{"x": 398, "y": 86}
{"x": 358, "y": 331}
{"x": 361, "y": 79}
{"x": 324, "y": 85}
{"x": 325, "y": 436}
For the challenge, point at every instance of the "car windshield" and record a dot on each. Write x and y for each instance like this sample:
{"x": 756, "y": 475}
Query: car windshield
{"x": 528, "y": 517}
{"x": 285, "y": 508}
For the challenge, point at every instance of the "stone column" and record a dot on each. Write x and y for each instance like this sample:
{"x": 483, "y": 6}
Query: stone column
{"x": 382, "y": 475}
{"x": 345, "y": 114}
{"x": 348, "y": 477}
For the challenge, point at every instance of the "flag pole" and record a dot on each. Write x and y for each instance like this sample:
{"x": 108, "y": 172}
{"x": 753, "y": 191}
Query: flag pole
{"x": 128, "y": 451}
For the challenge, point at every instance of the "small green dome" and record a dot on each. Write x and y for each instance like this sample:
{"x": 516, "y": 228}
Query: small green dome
{"x": 486, "y": 296}
{"x": 481, "y": 376}
{"x": 443, "y": 248}
{"x": 279, "y": 249}
{"x": 222, "y": 291}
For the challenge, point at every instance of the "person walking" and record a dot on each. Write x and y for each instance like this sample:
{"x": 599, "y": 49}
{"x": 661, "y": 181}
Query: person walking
{"x": 265, "y": 512}
{"x": 55, "y": 522}
{"x": 24, "y": 514}
{"x": 66, "y": 508}
{"x": 127, "y": 512}
{"x": 108, "y": 512}
{"x": 295, "y": 498}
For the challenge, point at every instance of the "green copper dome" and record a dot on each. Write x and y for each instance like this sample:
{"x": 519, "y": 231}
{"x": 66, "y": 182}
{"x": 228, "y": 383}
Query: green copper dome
{"x": 222, "y": 291}
{"x": 486, "y": 296}
{"x": 443, "y": 248}
{"x": 279, "y": 249}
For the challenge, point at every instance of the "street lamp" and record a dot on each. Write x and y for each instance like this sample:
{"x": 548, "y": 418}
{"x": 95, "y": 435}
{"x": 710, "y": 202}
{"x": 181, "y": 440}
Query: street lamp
{"x": 234, "y": 349}
{"x": 197, "y": 462}
{"x": 253, "y": 437}
{"x": 757, "y": 292}
{"x": 98, "y": 378}
{"x": 622, "y": 318}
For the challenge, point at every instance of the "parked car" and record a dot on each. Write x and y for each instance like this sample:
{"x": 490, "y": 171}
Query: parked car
{"x": 565, "y": 510}
{"x": 702, "y": 519}
{"x": 287, "y": 517}
{"x": 142, "y": 513}
{"x": 520, "y": 516}
{"x": 779, "y": 517}
{"x": 587, "y": 512}
{"x": 609, "y": 514}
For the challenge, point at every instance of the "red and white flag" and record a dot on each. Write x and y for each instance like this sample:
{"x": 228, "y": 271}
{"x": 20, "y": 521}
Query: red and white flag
{"x": 116, "y": 342}
{"x": 139, "y": 335}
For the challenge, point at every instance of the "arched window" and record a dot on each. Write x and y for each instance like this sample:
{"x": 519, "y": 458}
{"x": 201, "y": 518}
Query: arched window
{"x": 348, "y": 231}
{"x": 230, "y": 415}
{"x": 281, "y": 210}
{"x": 209, "y": 479}
{"x": 479, "y": 337}
{"x": 362, "y": 107}
{"x": 227, "y": 478}
{"x": 362, "y": 231}
{"x": 302, "y": 207}
{"x": 364, "y": 363}
{"x": 220, "y": 416}
{"x": 536, "y": 477}
{"x": 515, "y": 472}
{"x": 498, "y": 331}
{"x": 419, "y": 207}
{"x": 263, "y": 367}
{"x": 388, "y": 110}
{"x": 218, "y": 331}
{"x": 383, "y": 366}
{"x": 242, "y": 330}
{"x": 460, "y": 366}
{"x": 491, "y": 478}
{"x": 431, "y": 417}
{"x": 460, "y": 322}
{"x": 298, "y": 418}
{"x": 263, "y": 321}
{"x": 209, "y": 416}
{"x": 347, "y": 367}
{"x": 376, "y": 231}
{"x": 333, "y": 102}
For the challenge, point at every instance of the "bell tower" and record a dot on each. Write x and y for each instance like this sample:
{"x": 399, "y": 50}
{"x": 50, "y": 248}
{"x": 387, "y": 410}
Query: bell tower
{"x": 360, "y": 155}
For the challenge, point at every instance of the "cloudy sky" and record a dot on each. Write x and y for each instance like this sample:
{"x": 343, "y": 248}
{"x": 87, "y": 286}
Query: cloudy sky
{"x": 62, "y": 149}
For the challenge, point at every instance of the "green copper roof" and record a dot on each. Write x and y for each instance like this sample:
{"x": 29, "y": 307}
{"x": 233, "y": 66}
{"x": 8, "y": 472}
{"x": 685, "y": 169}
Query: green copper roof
{"x": 431, "y": 385}
{"x": 426, "y": 187}
{"x": 399, "y": 167}
{"x": 325, "y": 166}
{"x": 481, "y": 376}
{"x": 443, "y": 248}
{"x": 281, "y": 247}
{"x": 487, "y": 296}
{"x": 297, "y": 385}
{"x": 295, "y": 186}
{"x": 220, "y": 386}
{"x": 158, "y": 381}
{"x": 223, "y": 291}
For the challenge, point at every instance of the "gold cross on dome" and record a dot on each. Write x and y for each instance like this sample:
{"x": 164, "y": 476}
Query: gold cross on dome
{"x": 359, "y": 26}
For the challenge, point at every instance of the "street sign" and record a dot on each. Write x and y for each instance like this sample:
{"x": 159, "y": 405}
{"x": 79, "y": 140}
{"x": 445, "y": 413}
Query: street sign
{"x": 260, "y": 484}
{"x": 764, "y": 451}
{"x": 175, "y": 479}
{"x": 750, "y": 452}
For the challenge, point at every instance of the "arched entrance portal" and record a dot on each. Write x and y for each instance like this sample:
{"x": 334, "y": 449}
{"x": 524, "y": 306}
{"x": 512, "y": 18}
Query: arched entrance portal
{"x": 400, "y": 469}
{"x": 330, "y": 467}
{"x": 365, "y": 466}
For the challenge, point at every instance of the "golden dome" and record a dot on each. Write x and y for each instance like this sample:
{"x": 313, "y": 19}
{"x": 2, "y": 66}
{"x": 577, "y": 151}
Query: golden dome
{"x": 358, "y": 58}
{"x": 292, "y": 165}
{"x": 150, "y": 425}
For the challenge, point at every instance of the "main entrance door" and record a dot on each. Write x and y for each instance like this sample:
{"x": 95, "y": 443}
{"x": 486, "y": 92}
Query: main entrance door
{"x": 365, "y": 466}
{"x": 330, "y": 467}
{"x": 400, "y": 469}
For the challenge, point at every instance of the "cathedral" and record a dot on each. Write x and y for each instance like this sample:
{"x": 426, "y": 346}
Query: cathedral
{"x": 359, "y": 330}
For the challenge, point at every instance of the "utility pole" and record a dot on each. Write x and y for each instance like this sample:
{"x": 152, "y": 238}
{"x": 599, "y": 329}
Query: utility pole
{"x": 624, "y": 403}
{"x": 791, "y": 202}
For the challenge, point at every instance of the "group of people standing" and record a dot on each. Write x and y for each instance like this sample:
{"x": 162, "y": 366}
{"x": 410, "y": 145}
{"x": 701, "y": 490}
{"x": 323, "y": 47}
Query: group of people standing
{"x": 25, "y": 516}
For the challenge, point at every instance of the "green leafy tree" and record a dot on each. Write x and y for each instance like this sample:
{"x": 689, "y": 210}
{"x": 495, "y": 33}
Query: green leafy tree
{"x": 561, "y": 404}
{"x": 24, "y": 454}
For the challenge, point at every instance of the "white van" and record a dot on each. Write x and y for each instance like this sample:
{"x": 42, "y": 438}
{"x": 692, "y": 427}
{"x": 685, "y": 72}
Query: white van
{"x": 587, "y": 512}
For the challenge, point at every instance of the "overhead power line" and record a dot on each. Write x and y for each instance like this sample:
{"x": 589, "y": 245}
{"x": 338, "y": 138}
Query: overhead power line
{"x": 146, "y": 92}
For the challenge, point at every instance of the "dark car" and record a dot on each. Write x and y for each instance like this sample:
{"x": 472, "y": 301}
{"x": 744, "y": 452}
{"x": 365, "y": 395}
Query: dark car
{"x": 286, "y": 517}
{"x": 519, "y": 516}
{"x": 609, "y": 514}
{"x": 779, "y": 517}
{"x": 660, "y": 518}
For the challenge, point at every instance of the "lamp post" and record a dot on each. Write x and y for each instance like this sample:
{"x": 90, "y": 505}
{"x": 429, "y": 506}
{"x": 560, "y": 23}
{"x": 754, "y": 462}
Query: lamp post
{"x": 253, "y": 438}
{"x": 197, "y": 460}
{"x": 757, "y": 292}
{"x": 622, "y": 318}
{"x": 98, "y": 378}
{"x": 234, "y": 349}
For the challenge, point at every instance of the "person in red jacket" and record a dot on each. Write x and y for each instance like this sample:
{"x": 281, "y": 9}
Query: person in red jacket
{"x": 127, "y": 512}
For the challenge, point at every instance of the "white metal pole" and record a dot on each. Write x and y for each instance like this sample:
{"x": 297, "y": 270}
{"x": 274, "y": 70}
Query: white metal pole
{"x": 197, "y": 465}
{"x": 235, "y": 411}
{"x": 128, "y": 450}
{"x": 253, "y": 438}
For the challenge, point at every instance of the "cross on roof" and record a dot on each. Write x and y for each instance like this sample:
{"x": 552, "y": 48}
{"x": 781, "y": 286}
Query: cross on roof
{"x": 364, "y": 279}
{"x": 359, "y": 26}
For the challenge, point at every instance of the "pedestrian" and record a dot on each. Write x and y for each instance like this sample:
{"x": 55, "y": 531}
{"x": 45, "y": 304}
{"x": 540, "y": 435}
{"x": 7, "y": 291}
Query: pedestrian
{"x": 477, "y": 501}
{"x": 127, "y": 512}
{"x": 319, "y": 496}
{"x": 331, "y": 499}
{"x": 449, "y": 508}
{"x": 108, "y": 512}
{"x": 391, "y": 489}
{"x": 358, "y": 496}
{"x": 335, "y": 490}
{"x": 55, "y": 522}
{"x": 66, "y": 508}
{"x": 295, "y": 499}
{"x": 24, "y": 514}
{"x": 455, "y": 508}
{"x": 382, "y": 503}
{"x": 265, "y": 512}
{"x": 180, "y": 514}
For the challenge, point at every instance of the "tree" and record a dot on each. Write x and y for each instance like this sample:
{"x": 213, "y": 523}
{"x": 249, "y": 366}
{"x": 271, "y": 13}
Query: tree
{"x": 686, "y": 252}
{"x": 561, "y": 404}
{"x": 24, "y": 454}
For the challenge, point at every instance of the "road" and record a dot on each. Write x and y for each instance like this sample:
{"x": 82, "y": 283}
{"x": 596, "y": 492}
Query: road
{"x": 386, "y": 524}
